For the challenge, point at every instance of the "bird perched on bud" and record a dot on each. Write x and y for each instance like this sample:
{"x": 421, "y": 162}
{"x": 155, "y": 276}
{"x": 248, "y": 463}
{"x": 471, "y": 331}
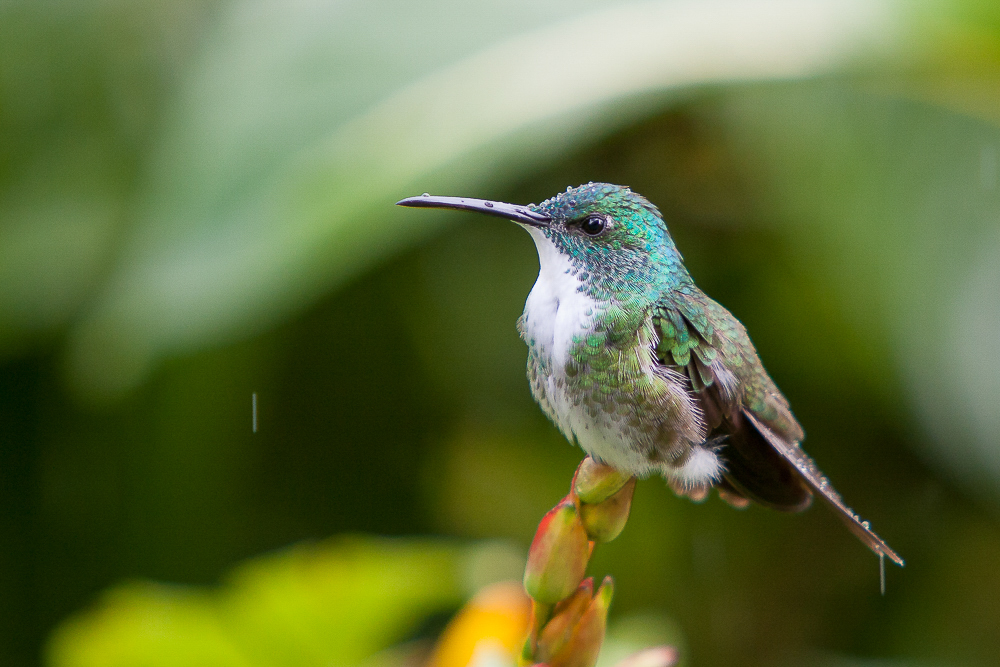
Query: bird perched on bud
{"x": 641, "y": 369}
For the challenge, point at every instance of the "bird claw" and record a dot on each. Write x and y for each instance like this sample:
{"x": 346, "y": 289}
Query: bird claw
{"x": 733, "y": 499}
{"x": 697, "y": 494}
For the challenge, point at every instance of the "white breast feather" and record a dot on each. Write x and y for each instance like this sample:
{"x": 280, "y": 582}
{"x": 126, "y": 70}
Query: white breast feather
{"x": 556, "y": 311}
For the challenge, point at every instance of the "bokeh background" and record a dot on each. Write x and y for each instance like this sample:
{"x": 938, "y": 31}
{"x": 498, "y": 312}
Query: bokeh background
{"x": 196, "y": 205}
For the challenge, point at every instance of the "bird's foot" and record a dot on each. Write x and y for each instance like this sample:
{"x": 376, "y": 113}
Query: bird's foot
{"x": 697, "y": 493}
{"x": 732, "y": 498}
{"x": 716, "y": 443}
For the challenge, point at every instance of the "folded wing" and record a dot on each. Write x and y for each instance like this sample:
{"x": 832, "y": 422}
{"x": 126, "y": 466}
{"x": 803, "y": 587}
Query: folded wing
{"x": 745, "y": 411}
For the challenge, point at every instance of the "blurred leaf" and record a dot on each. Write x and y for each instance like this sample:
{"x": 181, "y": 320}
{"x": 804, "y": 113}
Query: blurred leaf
{"x": 52, "y": 248}
{"x": 147, "y": 624}
{"x": 275, "y": 179}
{"x": 79, "y": 90}
{"x": 334, "y": 603}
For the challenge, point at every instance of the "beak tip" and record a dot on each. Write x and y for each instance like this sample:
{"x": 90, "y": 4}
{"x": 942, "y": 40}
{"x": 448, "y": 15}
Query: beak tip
{"x": 424, "y": 200}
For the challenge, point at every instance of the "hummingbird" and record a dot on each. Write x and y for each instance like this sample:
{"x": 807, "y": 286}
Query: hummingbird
{"x": 644, "y": 371}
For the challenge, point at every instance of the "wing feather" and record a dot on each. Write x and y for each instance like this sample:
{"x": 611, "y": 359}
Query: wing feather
{"x": 764, "y": 463}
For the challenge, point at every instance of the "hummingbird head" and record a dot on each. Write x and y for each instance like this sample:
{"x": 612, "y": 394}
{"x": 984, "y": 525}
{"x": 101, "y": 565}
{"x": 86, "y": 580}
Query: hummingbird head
{"x": 612, "y": 240}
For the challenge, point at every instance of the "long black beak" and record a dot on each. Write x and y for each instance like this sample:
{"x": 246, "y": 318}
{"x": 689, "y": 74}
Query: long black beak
{"x": 513, "y": 212}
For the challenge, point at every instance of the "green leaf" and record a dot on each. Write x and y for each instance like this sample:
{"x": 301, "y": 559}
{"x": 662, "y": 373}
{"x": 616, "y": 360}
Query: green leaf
{"x": 338, "y": 602}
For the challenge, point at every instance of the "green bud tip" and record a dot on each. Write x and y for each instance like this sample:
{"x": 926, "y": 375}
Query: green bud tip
{"x": 595, "y": 482}
{"x": 604, "y": 521}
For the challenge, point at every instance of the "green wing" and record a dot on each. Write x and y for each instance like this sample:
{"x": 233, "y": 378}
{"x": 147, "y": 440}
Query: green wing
{"x": 764, "y": 463}
{"x": 703, "y": 341}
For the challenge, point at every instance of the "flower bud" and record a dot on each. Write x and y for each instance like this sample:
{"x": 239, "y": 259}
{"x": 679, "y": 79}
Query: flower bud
{"x": 585, "y": 642}
{"x": 567, "y": 614}
{"x": 595, "y": 482}
{"x": 558, "y": 556}
{"x": 605, "y": 520}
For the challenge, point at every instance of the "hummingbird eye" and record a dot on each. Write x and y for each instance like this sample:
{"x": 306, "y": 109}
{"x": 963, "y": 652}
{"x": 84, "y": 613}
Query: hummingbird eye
{"x": 594, "y": 225}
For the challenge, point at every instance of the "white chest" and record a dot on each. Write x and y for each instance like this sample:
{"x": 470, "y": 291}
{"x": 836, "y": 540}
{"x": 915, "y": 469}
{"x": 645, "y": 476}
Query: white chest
{"x": 557, "y": 310}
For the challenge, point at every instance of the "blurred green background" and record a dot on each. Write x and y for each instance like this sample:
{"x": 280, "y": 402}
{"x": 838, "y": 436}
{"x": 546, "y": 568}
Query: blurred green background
{"x": 196, "y": 205}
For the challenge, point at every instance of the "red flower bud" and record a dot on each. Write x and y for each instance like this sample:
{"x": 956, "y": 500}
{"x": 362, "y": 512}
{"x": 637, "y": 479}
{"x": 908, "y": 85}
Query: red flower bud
{"x": 558, "y": 556}
{"x": 585, "y": 642}
{"x": 559, "y": 630}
